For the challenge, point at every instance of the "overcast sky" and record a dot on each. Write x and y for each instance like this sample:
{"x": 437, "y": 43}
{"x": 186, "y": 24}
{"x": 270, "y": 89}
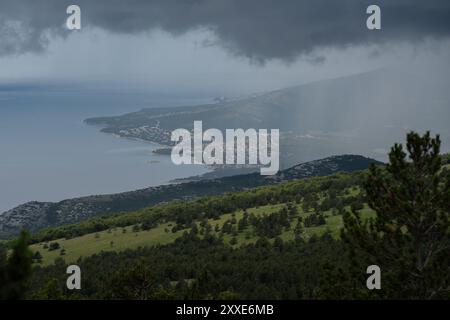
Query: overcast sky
{"x": 186, "y": 50}
{"x": 214, "y": 47}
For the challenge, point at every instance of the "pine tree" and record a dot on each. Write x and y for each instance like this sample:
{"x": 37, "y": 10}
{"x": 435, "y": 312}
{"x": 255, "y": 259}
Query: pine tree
{"x": 37, "y": 257}
{"x": 3, "y": 275}
{"x": 16, "y": 269}
{"x": 134, "y": 283}
{"x": 51, "y": 291}
{"x": 410, "y": 237}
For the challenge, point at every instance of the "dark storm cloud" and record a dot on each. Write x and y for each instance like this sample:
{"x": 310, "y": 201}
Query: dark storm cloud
{"x": 259, "y": 29}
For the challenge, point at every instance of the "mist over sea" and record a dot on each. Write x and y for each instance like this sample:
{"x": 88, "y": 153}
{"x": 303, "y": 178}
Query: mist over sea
{"x": 47, "y": 153}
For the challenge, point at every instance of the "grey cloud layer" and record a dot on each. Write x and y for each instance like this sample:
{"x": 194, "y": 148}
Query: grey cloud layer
{"x": 259, "y": 29}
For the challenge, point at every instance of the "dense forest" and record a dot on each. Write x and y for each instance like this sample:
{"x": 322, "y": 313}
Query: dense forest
{"x": 408, "y": 236}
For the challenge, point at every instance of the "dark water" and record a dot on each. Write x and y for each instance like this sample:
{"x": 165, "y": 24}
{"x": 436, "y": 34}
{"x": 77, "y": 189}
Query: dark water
{"x": 48, "y": 154}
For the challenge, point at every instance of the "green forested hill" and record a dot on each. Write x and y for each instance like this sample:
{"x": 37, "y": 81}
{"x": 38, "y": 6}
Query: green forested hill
{"x": 35, "y": 216}
{"x": 244, "y": 234}
{"x": 282, "y": 241}
{"x": 300, "y": 208}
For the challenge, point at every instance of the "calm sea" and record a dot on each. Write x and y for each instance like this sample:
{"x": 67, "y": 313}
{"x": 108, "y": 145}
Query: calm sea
{"x": 48, "y": 154}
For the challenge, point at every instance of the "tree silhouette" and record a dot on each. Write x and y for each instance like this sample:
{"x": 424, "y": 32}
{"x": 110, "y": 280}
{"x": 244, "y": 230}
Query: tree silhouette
{"x": 16, "y": 269}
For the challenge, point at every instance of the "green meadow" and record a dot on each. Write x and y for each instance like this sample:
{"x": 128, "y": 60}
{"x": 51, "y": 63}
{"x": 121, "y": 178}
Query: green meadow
{"x": 130, "y": 237}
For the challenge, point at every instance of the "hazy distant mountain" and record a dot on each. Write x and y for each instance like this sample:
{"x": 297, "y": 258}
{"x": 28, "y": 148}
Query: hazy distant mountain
{"x": 358, "y": 114}
{"x": 363, "y": 113}
{"x": 38, "y": 215}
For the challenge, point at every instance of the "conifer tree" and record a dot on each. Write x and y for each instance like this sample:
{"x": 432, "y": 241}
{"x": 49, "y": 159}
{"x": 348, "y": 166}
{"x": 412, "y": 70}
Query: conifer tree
{"x": 16, "y": 269}
{"x": 410, "y": 237}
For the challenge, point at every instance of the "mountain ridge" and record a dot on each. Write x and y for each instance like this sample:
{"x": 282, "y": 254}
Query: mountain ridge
{"x": 359, "y": 114}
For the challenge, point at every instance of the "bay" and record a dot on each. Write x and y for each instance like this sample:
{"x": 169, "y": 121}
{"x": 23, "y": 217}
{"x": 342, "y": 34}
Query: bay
{"x": 47, "y": 153}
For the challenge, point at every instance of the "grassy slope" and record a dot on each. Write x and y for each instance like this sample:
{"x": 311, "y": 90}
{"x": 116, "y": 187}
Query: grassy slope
{"x": 90, "y": 244}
